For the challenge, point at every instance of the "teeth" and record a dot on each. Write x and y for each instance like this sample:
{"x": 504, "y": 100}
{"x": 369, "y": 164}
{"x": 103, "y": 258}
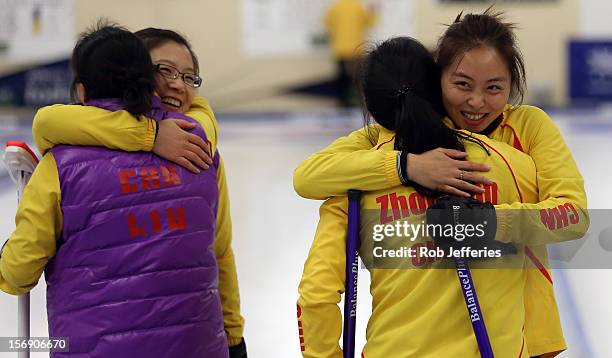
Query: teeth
{"x": 171, "y": 101}
{"x": 473, "y": 116}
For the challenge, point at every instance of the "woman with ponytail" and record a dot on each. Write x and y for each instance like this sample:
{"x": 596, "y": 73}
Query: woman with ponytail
{"x": 101, "y": 71}
{"x": 417, "y": 306}
{"x": 126, "y": 240}
{"x": 482, "y": 75}
{"x": 176, "y": 80}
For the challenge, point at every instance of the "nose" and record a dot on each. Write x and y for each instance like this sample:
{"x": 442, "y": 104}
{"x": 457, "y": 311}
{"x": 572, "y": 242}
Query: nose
{"x": 476, "y": 100}
{"x": 176, "y": 84}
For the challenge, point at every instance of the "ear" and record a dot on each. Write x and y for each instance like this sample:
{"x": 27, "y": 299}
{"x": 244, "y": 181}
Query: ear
{"x": 81, "y": 93}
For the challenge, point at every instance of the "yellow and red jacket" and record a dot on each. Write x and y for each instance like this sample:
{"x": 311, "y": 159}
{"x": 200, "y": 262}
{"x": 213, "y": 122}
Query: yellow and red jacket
{"x": 420, "y": 312}
{"x": 560, "y": 187}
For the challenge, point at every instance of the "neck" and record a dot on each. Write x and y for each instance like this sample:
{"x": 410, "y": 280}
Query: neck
{"x": 493, "y": 126}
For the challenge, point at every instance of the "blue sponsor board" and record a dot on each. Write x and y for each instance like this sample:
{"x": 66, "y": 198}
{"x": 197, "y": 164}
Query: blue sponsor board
{"x": 37, "y": 86}
{"x": 590, "y": 66}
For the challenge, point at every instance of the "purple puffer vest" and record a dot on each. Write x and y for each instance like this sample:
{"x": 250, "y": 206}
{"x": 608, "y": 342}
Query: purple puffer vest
{"x": 135, "y": 274}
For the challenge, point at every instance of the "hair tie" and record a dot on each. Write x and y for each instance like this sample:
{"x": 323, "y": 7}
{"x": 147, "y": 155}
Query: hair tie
{"x": 403, "y": 91}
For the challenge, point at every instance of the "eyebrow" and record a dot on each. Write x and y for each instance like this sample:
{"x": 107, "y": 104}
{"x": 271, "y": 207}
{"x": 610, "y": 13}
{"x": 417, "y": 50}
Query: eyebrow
{"x": 495, "y": 79}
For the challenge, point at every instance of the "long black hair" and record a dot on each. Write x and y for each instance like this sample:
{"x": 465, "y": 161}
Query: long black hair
{"x": 111, "y": 62}
{"x": 400, "y": 84}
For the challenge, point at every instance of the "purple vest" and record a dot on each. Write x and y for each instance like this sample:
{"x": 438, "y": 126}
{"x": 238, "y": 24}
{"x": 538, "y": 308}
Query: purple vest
{"x": 135, "y": 274}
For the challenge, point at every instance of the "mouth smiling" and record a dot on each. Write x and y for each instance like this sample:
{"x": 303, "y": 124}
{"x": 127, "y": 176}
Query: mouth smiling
{"x": 172, "y": 102}
{"x": 473, "y": 118}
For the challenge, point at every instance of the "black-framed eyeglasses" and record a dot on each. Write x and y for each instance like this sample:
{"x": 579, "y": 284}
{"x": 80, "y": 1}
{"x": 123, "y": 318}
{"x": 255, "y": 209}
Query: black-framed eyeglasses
{"x": 190, "y": 79}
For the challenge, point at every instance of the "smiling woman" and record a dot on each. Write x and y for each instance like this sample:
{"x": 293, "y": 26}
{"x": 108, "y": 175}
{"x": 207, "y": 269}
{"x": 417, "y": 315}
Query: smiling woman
{"x": 176, "y": 80}
{"x": 476, "y": 88}
{"x": 176, "y": 73}
{"x": 131, "y": 230}
{"x": 482, "y": 72}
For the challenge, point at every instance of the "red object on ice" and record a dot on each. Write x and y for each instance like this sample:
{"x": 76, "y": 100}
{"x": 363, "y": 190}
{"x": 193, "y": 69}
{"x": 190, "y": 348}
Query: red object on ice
{"x": 22, "y": 145}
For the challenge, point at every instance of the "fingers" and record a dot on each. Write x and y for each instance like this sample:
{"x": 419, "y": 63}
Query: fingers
{"x": 464, "y": 165}
{"x": 465, "y": 186}
{"x": 192, "y": 138}
{"x": 193, "y": 158}
{"x": 476, "y": 179}
{"x": 456, "y": 154}
{"x": 187, "y": 165}
{"x": 183, "y": 124}
{"x": 197, "y": 140}
{"x": 204, "y": 155}
{"x": 451, "y": 173}
{"x": 473, "y": 167}
{"x": 452, "y": 191}
{"x": 196, "y": 159}
{"x": 186, "y": 149}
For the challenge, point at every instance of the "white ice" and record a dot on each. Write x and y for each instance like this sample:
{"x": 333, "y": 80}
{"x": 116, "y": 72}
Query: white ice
{"x": 273, "y": 229}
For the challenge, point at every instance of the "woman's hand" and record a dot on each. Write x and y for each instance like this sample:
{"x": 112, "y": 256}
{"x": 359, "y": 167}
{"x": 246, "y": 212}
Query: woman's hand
{"x": 177, "y": 145}
{"x": 442, "y": 170}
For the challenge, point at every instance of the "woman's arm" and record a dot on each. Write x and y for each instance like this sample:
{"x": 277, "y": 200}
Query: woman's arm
{"x": 87, "y": 125}
{"x": 228, "y": 279}
{"x": 202, "y": 112}
{"x": 322, "y": 284}
{"x": 39, "y": 225}
{"x": 348, "y": 163}
{"x": 561, "y": 214}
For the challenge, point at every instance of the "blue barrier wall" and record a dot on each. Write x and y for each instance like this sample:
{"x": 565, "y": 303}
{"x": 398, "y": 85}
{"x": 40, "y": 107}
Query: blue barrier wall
{"x": 38, "y": 86}
{"x": 590, "y": 66}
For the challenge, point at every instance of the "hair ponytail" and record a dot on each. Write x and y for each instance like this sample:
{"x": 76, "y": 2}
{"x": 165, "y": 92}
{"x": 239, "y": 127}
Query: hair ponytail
{"x": 137, "y": 92}
{"x": 419, "y": 127}
{"x": 400, "y": 84}
{"x": 111, "y": 62}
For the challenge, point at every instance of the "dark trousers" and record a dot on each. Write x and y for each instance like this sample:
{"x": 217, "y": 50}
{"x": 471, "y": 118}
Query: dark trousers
{"x": 344, "y": 82}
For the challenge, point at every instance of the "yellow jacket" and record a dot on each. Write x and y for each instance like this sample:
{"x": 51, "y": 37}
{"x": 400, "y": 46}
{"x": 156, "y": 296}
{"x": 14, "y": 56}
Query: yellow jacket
{"x": 347, "y": 22}
{"x": 331, "y": 171}
{"x": 84, "y": 125}
{"x": 418, "y": 310}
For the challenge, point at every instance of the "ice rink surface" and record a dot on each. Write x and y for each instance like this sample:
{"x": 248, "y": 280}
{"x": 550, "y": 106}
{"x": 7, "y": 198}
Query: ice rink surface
{"x": 273, "y": 229}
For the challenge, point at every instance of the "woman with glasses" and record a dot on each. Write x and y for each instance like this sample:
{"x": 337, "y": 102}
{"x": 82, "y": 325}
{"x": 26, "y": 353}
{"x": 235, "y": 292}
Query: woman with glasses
{"x": 191, "y": 79}
{"x": 176, "y": 80}
{"x": 176, "y": 65}
{"x": 125, "y": 239}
